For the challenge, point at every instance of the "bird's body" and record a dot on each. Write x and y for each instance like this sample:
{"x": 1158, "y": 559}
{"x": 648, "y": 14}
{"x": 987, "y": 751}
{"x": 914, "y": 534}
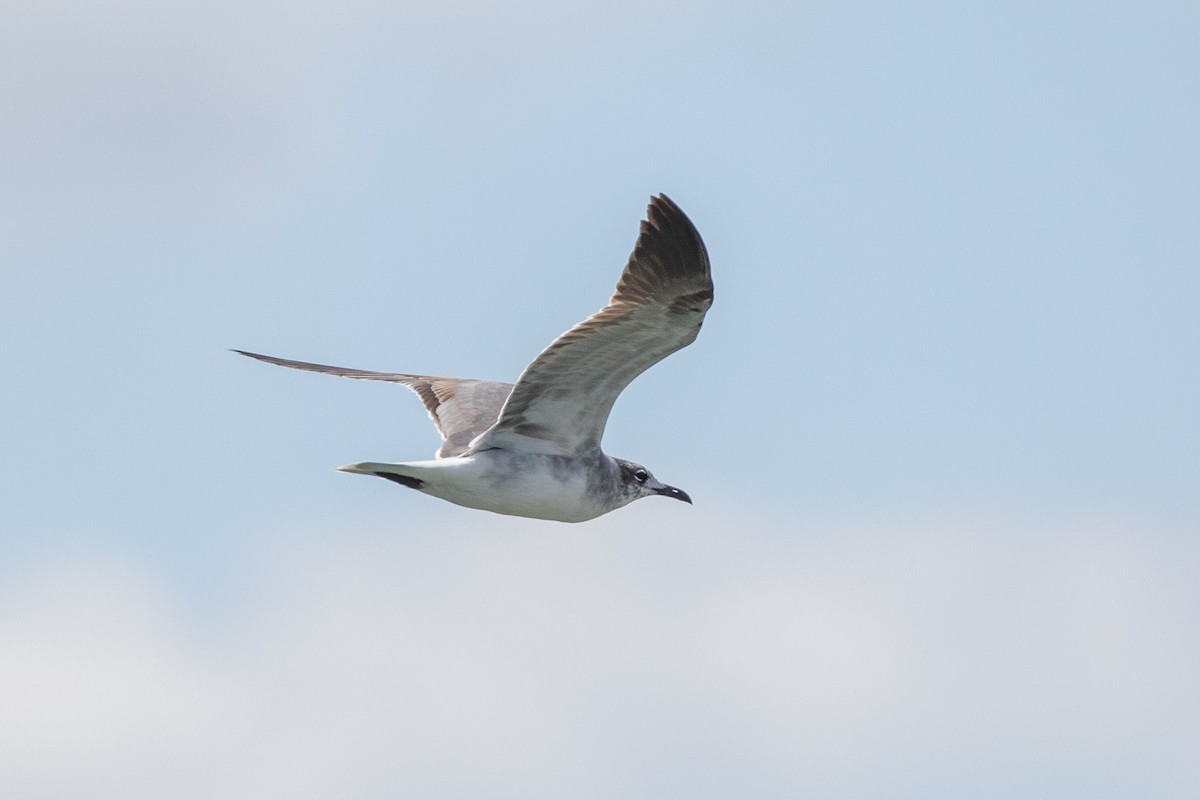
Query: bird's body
{"x": 532, "y": 449}
{"x": 562, "y": 488}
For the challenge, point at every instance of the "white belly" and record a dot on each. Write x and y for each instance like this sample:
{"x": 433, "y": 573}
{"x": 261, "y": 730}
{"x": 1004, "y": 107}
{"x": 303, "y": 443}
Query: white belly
{"x": 543, "y": 487}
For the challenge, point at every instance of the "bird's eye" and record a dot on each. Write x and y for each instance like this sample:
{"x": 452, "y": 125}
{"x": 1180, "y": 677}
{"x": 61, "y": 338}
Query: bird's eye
{"x": 641, "y": 476}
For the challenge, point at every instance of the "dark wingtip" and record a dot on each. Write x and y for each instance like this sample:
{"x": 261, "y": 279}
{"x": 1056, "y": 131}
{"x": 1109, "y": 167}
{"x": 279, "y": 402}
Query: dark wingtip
{"x": 669, "y": 249}
{"x": 403, "y": 480}
{"x": 661, "y": 209}
{"x": 664, "y": 204}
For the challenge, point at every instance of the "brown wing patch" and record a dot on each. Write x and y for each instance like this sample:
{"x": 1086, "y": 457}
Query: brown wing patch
{"x": 562, "y": 400}
{"x": 460, "y": 408}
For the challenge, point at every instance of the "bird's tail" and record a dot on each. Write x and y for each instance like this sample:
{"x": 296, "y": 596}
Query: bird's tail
{"x": 391, "y": 472}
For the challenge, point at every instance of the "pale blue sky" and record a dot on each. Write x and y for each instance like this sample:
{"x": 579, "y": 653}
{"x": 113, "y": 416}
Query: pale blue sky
{"x": 940, "y": 426}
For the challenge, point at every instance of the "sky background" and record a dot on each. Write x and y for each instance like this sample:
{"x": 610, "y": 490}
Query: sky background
{"x": 940, "y": 425}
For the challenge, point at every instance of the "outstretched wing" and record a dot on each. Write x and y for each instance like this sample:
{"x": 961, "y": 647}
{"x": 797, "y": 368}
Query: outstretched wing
{"x": 460, "y": 408}
{"x": 561, "y": 402}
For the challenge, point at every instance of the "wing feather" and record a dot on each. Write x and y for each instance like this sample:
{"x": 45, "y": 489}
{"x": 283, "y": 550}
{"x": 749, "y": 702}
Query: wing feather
{"x": 461, "y": 408}
{"x": 561, "y": 402}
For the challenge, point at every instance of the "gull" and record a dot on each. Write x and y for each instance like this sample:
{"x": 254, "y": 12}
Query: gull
{"x": 532, "y": 449}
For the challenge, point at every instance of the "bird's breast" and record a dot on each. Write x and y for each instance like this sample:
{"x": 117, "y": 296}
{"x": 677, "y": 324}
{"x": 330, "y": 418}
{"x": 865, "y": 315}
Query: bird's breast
{"x": 562, "y": 488}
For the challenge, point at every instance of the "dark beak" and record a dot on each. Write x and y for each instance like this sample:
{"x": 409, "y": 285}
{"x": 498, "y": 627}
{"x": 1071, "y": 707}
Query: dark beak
{"x": 671, "y": 491}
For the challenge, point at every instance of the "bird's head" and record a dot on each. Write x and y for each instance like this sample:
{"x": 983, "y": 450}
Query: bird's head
{"x": 637, "y": 482}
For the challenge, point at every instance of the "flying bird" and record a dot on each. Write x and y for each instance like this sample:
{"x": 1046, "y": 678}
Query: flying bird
{"x": 532, "y": 449}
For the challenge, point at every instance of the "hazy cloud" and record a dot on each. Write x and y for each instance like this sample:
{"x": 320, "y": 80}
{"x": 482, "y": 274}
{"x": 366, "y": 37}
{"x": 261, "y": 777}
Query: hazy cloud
{"x": 543, "y": 661}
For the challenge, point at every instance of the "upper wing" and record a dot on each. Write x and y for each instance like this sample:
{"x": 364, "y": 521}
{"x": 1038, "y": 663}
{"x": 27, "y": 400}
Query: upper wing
{"x": 460, "y": 408}
{"x": 561, "y": 402}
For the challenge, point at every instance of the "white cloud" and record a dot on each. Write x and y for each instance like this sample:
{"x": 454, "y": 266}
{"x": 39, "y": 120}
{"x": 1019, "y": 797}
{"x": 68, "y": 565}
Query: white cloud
{"x": 632, "y": 658}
